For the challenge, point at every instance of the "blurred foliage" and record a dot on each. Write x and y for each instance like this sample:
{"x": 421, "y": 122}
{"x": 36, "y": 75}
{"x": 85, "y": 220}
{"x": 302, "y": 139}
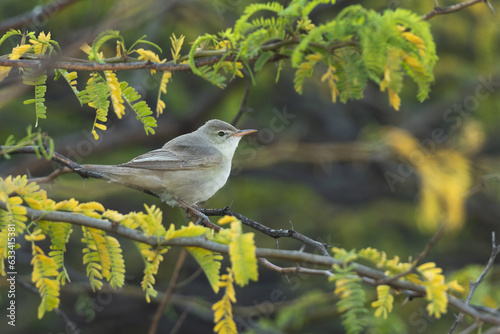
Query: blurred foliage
{"x": 345, "y": 202}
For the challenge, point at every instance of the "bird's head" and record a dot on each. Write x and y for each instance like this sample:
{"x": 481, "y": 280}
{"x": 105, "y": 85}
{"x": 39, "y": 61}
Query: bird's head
{"x": 222, "y": 135}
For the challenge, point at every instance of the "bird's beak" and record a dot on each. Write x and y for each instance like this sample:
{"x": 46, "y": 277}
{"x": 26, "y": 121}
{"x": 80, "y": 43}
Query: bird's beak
{"x": 242, "y": 133}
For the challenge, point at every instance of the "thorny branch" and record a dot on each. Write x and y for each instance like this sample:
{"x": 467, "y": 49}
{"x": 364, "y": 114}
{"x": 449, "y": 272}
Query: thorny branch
{"x": 428, "y": 247}
{"x": 266, "y": 230}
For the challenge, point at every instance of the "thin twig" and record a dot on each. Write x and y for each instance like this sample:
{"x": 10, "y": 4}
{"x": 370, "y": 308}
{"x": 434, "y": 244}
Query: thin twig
{"x": 52, "y": 176}
{"x": 169, "y": 292}
{"x": 454, "y": 8}
{"x": 266, "y": 230}
{"x": 430, "y": 244}
{"x": 179, "y": 322}
{"x": 473, "y": 285}
{"x": 244, "y": 101}
{"x": 189, "y": 279}
{"x": 297, "y": 269}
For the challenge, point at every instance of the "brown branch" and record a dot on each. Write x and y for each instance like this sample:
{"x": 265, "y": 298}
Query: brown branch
{"x": 169, "y": 292}
{"x": 473, "y": 285}
{"x": 85, "y": 65}
{"x": 34, "y": 149}
{"x": 36, "y": 14}
{"x": 52, "y": 176}
{"x": 293, "y": 270}
{"x": 454, "y": 8}
{"x": 89, "y": 66}
{"x": 280, "y": 233}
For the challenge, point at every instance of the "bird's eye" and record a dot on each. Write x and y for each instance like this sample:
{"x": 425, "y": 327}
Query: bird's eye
{"x": 221, "y": 133}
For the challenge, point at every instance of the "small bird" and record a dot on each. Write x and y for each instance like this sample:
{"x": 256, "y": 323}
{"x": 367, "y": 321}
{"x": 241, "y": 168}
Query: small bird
{"x": 187, "y": 170}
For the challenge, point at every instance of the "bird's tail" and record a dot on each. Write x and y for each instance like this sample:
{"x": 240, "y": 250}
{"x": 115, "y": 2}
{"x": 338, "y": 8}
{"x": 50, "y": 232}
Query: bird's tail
{"x": 102, "y": 172}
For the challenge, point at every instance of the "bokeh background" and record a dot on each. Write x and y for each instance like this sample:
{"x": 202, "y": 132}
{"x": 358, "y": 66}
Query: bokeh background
{"x": 337, "y": 196}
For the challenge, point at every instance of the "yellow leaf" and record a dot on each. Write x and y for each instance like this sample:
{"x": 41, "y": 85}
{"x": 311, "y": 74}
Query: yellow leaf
{"x": 86, "y": 48}
{"x": 413, "y": 38}
{"x": 66, "y": 204}
{"x": 394, "y": 99}
{"x": 315, "y": 57}
{"x": 453, "y": 285}
{"x": 100, "y": 126}
{"x": 115, "y": 94}
{"x": 384, "y": 301}
{"x": 40, "y": 47}
{"x": 149, "y": 56}
{"x": 242, "y": 255}
{"x": 176, "y": 46}
{"x": 94, "y": 206}
{"x": 34, "y": 237}
{"x": 118, "y": 48}
{"x": 19, "y": 210}
{"x": 15, "y": 200}
{"x": 19, "y": 50}
{"x": 226, "y": 219}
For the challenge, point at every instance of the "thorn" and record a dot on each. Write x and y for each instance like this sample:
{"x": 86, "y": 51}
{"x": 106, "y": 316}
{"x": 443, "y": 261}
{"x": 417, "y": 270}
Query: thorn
{"x": 302, "y": 248}
{"x": 277, "y": 243}
{"x": 291, "y": 225}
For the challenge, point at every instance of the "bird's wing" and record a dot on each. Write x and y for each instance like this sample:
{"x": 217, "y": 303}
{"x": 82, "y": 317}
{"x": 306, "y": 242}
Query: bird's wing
{"x": 179, "y": 158}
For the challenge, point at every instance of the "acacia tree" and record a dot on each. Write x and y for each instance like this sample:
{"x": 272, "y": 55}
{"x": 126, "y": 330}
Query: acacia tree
{"x": 356, "y": 48}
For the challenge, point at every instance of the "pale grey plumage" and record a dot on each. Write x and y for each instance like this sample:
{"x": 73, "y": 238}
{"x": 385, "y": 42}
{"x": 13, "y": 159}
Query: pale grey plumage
{"x": 191, "y": 167}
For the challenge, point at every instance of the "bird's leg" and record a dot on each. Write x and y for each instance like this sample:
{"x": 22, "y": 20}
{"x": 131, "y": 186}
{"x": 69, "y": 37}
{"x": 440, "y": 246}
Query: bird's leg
{"x": 194, "y": 212}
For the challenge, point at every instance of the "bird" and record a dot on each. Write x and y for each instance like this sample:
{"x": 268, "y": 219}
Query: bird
{"x": 187, "y": 170}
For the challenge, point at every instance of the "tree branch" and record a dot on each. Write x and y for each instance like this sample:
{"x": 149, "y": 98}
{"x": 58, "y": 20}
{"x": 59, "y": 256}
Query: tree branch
{"x": 83, "y": 65}
{"x": 266, "y": 230}
{"x": 287, "y": 255}
{"x": 169, "y": 292}
{"x": 454, "y": 8}
{"x": 473, "y": 285}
